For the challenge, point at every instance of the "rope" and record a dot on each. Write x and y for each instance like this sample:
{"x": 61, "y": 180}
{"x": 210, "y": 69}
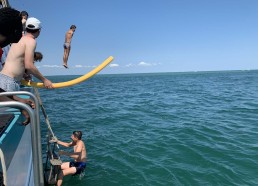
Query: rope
{"x": 3, "y": 167}
{"x": 55, "y": 161}
{"x": 44, "y": 113}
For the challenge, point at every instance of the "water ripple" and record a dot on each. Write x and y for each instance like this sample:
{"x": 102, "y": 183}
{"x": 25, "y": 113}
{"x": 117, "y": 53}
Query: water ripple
{"x": 161, "y": 129}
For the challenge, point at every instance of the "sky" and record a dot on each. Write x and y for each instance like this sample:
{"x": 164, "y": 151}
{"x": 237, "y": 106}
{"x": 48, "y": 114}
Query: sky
{"x": 146, "y": 36}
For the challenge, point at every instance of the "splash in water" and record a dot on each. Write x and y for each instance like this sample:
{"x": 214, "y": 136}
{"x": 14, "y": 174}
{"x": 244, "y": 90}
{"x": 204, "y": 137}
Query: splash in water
{"x": 80, "y": 176}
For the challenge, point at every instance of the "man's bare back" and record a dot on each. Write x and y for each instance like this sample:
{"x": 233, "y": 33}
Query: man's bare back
{"x": 15, "y": 62}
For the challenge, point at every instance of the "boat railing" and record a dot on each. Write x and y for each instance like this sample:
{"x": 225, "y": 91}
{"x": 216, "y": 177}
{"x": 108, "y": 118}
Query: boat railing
{"x": 35, "y": 131}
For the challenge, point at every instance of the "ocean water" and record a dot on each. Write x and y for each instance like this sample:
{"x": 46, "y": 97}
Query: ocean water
{"x": 161, "y": 129}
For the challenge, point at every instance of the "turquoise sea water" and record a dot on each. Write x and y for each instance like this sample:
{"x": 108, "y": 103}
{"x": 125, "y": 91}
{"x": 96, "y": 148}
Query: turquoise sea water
{"x": 161, "y": 129}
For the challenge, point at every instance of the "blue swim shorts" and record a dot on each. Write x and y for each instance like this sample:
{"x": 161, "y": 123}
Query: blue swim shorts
{"x": 80, "y": 166}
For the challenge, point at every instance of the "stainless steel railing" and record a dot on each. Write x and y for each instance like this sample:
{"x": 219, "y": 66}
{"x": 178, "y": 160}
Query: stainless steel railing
{"x": 35, "y": 131}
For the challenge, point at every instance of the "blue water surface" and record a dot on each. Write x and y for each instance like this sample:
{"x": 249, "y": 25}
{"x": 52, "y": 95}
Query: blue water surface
{"x": 161, "y": 129}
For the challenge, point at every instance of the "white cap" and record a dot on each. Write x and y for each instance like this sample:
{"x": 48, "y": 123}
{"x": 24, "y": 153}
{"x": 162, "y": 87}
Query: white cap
{"x": 33, "y": 23}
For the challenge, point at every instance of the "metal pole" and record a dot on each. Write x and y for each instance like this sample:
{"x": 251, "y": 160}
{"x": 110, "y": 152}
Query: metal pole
{"x": 44, "y": 113}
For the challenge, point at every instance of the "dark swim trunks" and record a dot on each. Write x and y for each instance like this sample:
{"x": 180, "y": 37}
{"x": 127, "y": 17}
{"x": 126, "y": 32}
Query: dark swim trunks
{"x": 80, "y": 166}
{"x": 67, "y": 45}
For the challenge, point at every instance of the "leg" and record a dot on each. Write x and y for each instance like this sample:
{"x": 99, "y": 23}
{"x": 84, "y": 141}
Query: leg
{"x": 27, "y": 117}
{"x": 66, "y": 170}
{"x": 66, "y": 54}
{"x": 24, "y": 112}
{"x": 65, "y": 165}
{"x": 16, "y": 98}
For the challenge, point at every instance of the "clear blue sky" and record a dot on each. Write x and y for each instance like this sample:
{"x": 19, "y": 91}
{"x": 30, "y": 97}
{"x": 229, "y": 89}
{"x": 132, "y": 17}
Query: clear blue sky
{"x": 147, "y": 35}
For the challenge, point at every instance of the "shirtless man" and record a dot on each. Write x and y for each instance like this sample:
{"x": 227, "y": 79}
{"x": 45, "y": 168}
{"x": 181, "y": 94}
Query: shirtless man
{"x": 79, "y": 155}
{"x": 67, "y": 44}
{"x": 21, "y": 57}
{"x": 11, "y": 32}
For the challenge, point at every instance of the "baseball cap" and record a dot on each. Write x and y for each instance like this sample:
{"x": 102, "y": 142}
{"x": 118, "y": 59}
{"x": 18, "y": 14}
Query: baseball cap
{"x": 33, "y": 23}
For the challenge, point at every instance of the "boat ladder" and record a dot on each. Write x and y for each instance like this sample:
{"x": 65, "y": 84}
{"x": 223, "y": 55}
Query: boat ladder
{"x": 53, "y": 160}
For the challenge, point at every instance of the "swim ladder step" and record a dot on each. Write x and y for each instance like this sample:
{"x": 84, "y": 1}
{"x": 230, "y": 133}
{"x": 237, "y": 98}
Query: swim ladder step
{"x": 55, "y": 162}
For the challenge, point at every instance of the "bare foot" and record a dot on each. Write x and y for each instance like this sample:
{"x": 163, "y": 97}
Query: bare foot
{"x": 27, "y": 120}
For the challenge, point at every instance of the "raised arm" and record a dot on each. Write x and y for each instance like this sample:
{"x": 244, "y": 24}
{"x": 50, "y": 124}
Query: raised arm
{"x": 64, "y": 143}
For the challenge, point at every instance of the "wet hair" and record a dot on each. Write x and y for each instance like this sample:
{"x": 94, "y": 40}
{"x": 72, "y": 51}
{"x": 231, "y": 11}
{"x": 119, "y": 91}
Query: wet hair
{"x": 24, "y": 13}
{"x": 77, "y": 134}
{"x": 72, "y": 26}
{"x": 38, "y": 56}
{"x": 11, "y": 24}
